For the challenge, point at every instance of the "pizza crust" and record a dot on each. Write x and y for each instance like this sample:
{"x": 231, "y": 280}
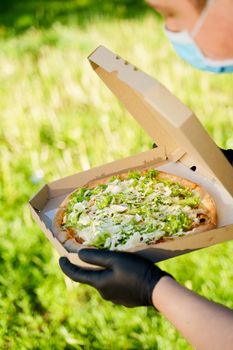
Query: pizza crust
{"x": 74, "y": 245}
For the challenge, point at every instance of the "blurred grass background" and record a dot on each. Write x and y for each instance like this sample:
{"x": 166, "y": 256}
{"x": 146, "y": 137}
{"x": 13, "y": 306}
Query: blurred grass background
{"x": 57, "y": 118}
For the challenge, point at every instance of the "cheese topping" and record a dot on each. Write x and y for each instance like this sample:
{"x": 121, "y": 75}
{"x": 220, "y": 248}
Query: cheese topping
{"x": 122, "y": 213}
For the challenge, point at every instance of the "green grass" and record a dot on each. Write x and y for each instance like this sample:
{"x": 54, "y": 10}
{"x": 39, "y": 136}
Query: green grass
{"x": 56, "y": 115}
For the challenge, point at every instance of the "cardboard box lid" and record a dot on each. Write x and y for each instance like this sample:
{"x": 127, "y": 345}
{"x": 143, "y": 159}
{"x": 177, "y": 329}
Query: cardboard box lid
{"x": 167, "y": 120}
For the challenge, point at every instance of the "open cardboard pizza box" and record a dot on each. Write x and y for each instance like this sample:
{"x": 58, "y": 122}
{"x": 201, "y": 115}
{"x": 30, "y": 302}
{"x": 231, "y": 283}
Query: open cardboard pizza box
{"x": 182, "y": 144}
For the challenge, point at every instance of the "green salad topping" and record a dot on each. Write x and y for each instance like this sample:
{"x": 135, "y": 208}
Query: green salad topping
{"x": 124, "y": 212}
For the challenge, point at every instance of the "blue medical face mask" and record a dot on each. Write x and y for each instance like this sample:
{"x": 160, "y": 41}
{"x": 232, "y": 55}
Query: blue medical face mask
{"x": 185, "y": 46}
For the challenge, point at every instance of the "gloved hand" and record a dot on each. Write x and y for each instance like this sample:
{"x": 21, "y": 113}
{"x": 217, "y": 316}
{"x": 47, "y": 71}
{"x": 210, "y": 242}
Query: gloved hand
{"x": 228, "y": 153}
{"x": 126, "y": 279}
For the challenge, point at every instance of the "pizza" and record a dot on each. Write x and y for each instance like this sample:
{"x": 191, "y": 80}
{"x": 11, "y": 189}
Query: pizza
{"x": 131, "y": 210}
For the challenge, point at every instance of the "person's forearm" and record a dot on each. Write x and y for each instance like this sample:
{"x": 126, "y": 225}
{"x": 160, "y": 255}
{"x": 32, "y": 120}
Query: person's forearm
{"x": 204, "y": 324}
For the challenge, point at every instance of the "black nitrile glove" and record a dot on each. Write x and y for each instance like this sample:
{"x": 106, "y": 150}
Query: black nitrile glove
{"x": 228, "y": 153}
{"x": 126, "y": 279}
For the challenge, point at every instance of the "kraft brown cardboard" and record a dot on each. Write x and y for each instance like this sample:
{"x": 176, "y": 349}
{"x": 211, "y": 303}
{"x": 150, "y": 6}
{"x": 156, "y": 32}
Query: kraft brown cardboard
{"x": 182, "y": 142}
{"x": 161, "y": 114}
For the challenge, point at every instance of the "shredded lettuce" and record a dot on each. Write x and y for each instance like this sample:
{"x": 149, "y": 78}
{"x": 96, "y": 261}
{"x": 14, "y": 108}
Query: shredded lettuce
{"x": 192, "y": 202}
{"x": 114, "y": 178}
{"x": 176, "y": 223}
{"x": 104, "y": 201}
{"x": 139, "y": 208}
{"x": 134, "y": 175}
{"x": 100, "y": 240}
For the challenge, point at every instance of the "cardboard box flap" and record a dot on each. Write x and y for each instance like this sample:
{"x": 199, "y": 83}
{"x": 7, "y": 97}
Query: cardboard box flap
{"x": 182, "y": 142}
{"x": 170, "y": 123}
{"x": 39, "y": 200}
{"x": 68, "y": 184}
{"x": 128, "y": 85}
